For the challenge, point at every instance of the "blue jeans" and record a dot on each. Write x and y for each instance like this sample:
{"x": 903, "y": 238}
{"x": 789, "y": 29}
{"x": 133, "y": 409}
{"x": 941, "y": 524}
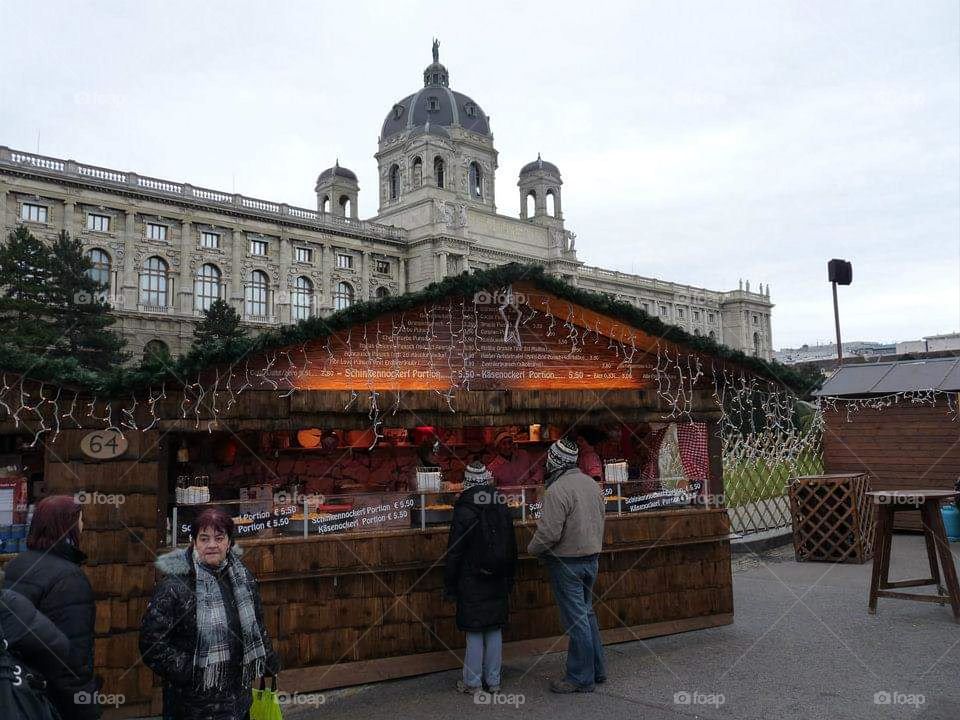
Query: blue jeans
{"x": 572, "y": 580}
{"x": 483, "y": 658}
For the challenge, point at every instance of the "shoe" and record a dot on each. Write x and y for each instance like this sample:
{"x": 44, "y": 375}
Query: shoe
{"x": 600, "y": 680}
{"x": 493, "y": 689}
{"x": 565, "y": 687}
{"x": 462, "y": 687}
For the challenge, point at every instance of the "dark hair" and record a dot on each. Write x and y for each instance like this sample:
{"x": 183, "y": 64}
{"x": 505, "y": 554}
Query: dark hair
{"x": 56, "y": 518}
{"x": 213, "y": 519}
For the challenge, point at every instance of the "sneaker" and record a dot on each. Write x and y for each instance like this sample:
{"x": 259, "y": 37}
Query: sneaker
{"x": 462, "y": 687}
{"x": 493, "y": 689}
{"x": 565, "y": 687}
{"x": 600, "y": 679}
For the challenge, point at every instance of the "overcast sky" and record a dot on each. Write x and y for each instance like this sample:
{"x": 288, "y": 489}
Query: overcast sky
{"x": 699, "y": 142}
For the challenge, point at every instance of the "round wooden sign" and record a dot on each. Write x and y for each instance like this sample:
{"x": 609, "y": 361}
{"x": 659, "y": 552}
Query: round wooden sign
{"x": 103, "y": 444}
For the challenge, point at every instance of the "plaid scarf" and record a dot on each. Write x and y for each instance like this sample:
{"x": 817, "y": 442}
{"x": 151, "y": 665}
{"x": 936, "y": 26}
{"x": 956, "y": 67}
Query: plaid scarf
{"x": 212, "y": 657}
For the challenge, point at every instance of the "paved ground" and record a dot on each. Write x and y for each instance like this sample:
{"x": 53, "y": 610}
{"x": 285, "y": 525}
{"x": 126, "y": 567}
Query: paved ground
{"x": 802, "y": 646}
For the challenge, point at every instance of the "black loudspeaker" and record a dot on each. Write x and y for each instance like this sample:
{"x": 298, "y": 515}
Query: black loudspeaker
{"x": 840, "y": 272}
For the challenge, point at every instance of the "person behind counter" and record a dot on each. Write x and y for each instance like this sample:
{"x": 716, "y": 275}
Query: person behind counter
{"x": 203, "y": 632}
{"x": 511, "y": 466}
{"x": 569, "y": 538}
{"x": 480, "y": 563}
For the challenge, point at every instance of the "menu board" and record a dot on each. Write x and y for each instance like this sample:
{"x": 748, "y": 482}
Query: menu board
{"x": 459, "y": 343}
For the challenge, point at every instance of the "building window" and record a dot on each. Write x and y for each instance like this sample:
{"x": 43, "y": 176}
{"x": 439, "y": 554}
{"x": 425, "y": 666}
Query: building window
{"x": 156, "y": 350}
{"x": 302, "y": 298}
{"x": 210, "y": 240}
{"x": 713, "y": 335}
{"x": 709, "y": 317}
{"x": 433, "y": 102}
{"x": 696, "y": 331}
{"x": 99, "y": 270}
{"x": 417, "y": 168}
{"x": 476, "y": 181}
{"x": 257, "y": 291}
{"x": 756, "y": 343}
{"x": 470, "y": 109}
{"x": 646, "y": 307}
{"x": 345, "y": 262}
{"x": 98, "y": 223}
{"x": 304, "y": 255}
{"x": 258, "y": 247}
{"x": 663, "y": 310}
{"x": 382, "y": 267}
{"x": 755, "y": 320}
{"x": 156, "y": 232}
{"x": 153, "y": 282}
{"x": 206, "y": 287}
{"x": 343, "y": 296}
{"x": 680, "y": 313}
{"x": 438, "y": 170}
{"x": 33, "y": 213}
{"x": 696, "y": 315}
{"x": 383, "y": 292}
{"x": 394, "y": 182}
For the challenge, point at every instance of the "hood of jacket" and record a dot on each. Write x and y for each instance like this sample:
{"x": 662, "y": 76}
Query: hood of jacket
{"x": 180, "y": 562}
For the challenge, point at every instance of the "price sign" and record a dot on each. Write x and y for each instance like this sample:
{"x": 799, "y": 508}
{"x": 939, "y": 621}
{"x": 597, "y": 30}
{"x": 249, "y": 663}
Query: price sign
{"x": 103, "y": 444}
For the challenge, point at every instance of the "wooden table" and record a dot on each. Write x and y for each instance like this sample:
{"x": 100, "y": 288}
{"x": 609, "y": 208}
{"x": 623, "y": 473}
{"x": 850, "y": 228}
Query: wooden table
{"x": 928, "y": 503}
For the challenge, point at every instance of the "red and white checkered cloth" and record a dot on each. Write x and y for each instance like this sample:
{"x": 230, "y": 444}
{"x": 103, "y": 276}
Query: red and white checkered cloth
{"x": 692, "y": 441}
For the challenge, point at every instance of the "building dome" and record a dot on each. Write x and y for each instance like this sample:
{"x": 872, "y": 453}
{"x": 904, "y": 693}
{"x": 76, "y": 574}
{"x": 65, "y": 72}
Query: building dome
{"x": 435, "y": 104}
{"x": 540, "y": 165}
{"x": 337, "y": 171}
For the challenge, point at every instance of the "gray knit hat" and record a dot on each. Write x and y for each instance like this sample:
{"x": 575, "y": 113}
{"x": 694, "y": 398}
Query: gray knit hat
{"x": 476, "y": 473}
{"x": 562, "y": 454}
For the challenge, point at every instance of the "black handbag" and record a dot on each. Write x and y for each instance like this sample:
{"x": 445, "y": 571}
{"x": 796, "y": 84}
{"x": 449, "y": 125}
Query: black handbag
{"x": 22, "y": 692}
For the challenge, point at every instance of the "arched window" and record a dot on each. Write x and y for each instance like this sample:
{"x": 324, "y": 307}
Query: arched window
{"x": 383, "y": 291}
{"x": 256, "y": 295}
{"x": 713, "y": 335}
{"x": 325, "y": 204}
{"x": 345, "y": 205}
{"x": 551, "y": 204}
{"x": 417, "y": 168}
{"x": 476, "y": 181}
{"x": 394, "y": 182}
{"x": 696, "y": 331}
{"x": 206, "y": 287}
{"x": 756, "y": 343}
{"x": 153, "y": 283}
{"x": 302, "y": 298}
{"x": 438, "y": 170}
{"x": 530, "y": 203}
{"x": 99, "y": 271}
{"x": 156, "y": 350}
{"x": 343, "y": 297}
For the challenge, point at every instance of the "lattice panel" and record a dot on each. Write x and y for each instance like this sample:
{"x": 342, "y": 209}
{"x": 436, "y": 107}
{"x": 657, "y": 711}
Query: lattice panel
{"x": 833, "y": 519}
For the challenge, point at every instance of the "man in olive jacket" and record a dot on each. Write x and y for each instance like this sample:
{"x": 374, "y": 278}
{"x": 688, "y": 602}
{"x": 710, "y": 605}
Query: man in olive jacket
{"x": 569, "y": 538}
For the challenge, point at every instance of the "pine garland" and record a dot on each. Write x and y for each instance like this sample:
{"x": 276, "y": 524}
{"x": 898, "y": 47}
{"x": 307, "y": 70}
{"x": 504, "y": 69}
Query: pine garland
{"x": 120, "y": 381}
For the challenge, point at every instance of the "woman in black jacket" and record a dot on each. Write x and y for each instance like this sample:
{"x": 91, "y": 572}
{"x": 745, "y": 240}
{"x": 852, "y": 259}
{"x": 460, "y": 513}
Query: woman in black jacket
{"x": 203, "y": 632}
{"x": 36, "y": 643}
{"x": 480, "y": 563}
{"x": 49, "y": 575}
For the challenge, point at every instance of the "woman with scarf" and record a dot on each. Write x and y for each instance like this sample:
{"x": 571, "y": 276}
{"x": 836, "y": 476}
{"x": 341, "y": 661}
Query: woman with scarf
{"x": 203, "y": 632}
{"x": 478, "y": 573}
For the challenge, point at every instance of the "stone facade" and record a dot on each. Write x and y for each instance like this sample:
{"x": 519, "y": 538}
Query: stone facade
{"x": 168, "y": 248}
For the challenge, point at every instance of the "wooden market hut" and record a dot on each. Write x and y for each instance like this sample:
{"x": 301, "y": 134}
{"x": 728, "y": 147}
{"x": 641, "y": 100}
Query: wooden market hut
{"x": 494, "y": 352}
{"x": 897, "y": 422}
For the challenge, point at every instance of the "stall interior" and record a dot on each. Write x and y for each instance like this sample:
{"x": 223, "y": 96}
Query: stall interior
{"x": 318, "y": 481}
{"x": 21, "y": 487}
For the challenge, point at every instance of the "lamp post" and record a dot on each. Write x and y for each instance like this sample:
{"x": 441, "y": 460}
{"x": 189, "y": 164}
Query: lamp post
{"x": 839, "y": 272}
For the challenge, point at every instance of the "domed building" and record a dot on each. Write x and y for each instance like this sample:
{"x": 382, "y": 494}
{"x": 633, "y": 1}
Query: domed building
{"x": 168, "y": 250}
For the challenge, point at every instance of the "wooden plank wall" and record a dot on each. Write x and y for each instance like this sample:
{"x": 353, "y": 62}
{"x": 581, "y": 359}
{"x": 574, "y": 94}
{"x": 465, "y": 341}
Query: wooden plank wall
{"x": 903, "y": 446}
{"x": 349, "y": 599}
{"x": 120, "y": 541}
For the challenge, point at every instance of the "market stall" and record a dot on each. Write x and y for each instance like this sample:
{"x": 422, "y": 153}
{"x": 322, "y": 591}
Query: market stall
{"x": 339, "y": 447}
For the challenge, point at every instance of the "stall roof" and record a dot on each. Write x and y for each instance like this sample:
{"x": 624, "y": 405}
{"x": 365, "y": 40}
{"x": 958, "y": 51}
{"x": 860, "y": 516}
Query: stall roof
{"x": 891, "y": 377}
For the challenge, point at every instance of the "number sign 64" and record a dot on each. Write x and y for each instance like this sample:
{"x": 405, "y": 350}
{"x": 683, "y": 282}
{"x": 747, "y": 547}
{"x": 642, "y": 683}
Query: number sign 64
{"x": 103, "y": 444}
